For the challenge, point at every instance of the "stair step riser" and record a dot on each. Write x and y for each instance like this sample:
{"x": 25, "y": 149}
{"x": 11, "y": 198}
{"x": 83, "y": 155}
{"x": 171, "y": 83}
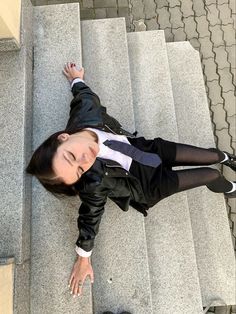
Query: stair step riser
{"x": 173, "y": 271}
{"x": 120, "y": 254}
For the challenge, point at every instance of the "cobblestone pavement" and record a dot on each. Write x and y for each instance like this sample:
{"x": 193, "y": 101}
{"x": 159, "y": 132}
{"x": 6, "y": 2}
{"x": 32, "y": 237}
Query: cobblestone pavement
{"x": 210, "y": 26}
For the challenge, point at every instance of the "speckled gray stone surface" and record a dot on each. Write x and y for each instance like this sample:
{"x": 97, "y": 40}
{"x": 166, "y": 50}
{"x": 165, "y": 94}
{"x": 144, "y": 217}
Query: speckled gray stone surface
{"x": 152, "y": 95}
{"x": 15, "y": 147}
{"x": 9, "y": 44}
{"x": 120, "y": 254}
{"x": 15, "y": 121}
{"x": 108, "y": 63}
{"x": 172, "y": 262}
{"x": 213, "y": 244}
{"x": 54, "y": 227}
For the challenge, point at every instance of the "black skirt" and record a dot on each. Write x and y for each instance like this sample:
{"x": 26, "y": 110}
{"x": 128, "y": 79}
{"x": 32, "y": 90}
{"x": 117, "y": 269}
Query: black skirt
{"x": 157, "y": 183}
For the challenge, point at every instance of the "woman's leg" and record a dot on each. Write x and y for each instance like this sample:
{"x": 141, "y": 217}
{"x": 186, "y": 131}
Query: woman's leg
{"x": 188, "y": 155}
{"x": 192, "y": 178}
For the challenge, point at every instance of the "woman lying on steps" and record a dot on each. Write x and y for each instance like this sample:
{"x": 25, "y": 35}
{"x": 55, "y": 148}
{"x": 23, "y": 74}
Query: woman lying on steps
{"x": 96, "y": 159}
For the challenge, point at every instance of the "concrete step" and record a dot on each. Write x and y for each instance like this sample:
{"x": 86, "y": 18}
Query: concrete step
{"x": 120, "y": 255}
{"x": 57, "y": 39}
{"x": 211, "y": 232}
{"x": 173, "y": 270}
{"x": 15, "y": 147}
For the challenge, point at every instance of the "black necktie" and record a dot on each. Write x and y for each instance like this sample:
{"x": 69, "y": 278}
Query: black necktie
{"x": 148, "y": 159}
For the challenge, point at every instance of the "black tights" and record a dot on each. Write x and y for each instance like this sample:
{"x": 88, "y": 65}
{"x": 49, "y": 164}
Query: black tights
{"x": 187, "y": 155}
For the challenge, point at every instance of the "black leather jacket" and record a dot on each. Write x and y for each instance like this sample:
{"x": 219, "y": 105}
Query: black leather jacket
{"x": 106, "y": 178}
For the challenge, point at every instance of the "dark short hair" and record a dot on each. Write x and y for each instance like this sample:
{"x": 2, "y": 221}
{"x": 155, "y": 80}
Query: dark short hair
{"x": 40, "y": 166}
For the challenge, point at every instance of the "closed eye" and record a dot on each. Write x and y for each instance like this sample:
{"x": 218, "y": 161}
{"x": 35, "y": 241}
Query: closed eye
{"x": 73, "y": 156}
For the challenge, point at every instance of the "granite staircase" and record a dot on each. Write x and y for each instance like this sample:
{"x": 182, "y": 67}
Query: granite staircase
{"x": 179, "y": 259}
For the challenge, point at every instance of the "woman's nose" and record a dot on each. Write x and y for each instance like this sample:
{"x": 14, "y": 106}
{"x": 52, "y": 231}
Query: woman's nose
{"x": 84, "y": 158}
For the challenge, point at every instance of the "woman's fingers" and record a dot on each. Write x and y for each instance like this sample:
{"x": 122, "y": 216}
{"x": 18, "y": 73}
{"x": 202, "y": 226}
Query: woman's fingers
{"x": 80, "y": 286}
{"x": 91, "y": 275}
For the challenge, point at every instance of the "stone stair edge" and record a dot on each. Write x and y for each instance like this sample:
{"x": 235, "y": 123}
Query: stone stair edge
{"x": 54, "y": 219}
{"x": 167, "y": 104}
{"x": 99, "y": 84}
{"x": 195, "y": 76}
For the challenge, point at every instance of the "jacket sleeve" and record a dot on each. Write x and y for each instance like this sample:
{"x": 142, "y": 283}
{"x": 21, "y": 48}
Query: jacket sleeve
{"x": 85, "y": 107}
{"x": 90, "y": 214}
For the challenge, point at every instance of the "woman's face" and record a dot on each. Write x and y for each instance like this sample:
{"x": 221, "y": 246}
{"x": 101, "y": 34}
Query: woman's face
{"x": 74, "y": 156}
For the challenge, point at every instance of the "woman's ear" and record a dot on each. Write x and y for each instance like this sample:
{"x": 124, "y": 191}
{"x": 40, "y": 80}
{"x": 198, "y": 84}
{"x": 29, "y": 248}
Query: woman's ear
{"x": 63, "y": 137}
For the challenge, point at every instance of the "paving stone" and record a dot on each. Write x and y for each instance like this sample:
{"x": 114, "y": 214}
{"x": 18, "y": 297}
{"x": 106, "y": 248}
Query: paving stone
{"x": 209, "y": 2}
{"x": 138, "y": 10}
{"x": 213, "y": 14}
{"x": 104, "y": 3}
{"x": 233, "y": 71}
{"x": 88, "y": 4}
{"x": 61, "y": 1}
{"x": 174, "y": 3}
{"x": 162, "y": 3}
{"x": 164, "y": 18}
{"x": 226, "y": 79}
{"x": 176, "y": 17}
{"x": 216, "y": 35}
{"x": 222, "y": 2}
{"x": 152, "y": 24}
{"x": 187, "y": 8}
{"x": 231, "y": 55}
{"x": 190, "y": 27}
{"x": 139, "y": 25}
{"x": 232, "y": 5}
{"x": 215, "y": 92}
{"x": 123, "y": 3}
{"x": 202, "y": 26}
{"x": 206, "y": 47}
{"x": 224, "y": 142}
{"x": 195, "y": 43}
{"x": 100, "y": 13}
{"x": 225, "y": 14}
{"x": 112, "y": 12}
{"x": 229, "y": 34}
{"x": 233, "y": 219}
{"x": 124, "y": 12}
{"x": 198, "y": 8}
{"x": 179, "y": 34}
{"x": 40, "y": 2}
{"x": 149, "y": 9}
{"x": 229, "y": 103}
{"x": 234, "y": 20}
{"x": 232, "y": 126}
{"x": 210, "y": 69}
{"x": 221, "y": 57}
{"x": 87, "y": 14}
{"x": 219, "y": 116}
{"x": 169, "y": 36}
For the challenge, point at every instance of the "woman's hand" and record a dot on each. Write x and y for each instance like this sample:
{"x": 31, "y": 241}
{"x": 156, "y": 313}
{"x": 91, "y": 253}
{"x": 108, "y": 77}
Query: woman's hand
{"x": 72, "y": 72}
{"x": 82, "y": 268}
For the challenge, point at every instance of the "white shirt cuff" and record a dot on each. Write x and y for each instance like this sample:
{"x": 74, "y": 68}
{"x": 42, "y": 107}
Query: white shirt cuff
{"x": 76, "y": 80}
{"x": 82, "y": 252}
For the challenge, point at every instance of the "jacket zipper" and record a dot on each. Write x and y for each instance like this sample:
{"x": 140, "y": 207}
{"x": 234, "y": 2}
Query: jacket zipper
{"x": 111, "y": 130}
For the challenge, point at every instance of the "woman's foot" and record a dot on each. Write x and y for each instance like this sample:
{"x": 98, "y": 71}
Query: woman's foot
{"x": 230, "y": 162}
{"x": 233, "y": 193}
